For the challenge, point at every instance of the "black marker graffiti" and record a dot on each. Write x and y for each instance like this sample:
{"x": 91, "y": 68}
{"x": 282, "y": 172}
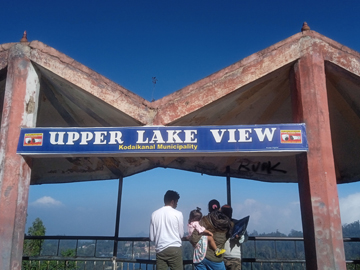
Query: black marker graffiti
{"x": 260, "y": 166}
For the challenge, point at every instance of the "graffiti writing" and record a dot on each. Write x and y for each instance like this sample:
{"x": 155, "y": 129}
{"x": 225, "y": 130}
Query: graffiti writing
{"x": 267, "y": 167}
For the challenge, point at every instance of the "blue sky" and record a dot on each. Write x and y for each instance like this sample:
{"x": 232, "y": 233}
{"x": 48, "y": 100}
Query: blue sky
{"x": 179, "y": 42}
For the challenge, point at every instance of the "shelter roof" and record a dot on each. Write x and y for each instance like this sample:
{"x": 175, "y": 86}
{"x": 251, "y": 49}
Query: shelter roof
{"x": 255, "y": 90}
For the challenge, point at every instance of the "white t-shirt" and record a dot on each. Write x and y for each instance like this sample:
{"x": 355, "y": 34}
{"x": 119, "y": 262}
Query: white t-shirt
{"x": 233, "y": 247}
{"x": 166, "y": 228}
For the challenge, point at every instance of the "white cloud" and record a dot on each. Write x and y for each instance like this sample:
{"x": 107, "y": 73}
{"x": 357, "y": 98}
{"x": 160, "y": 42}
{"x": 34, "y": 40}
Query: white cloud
{"x": 269, "y": 217}
{"x": 46, "y": 201}
{"x": 249, "y": 202}
{"x": 350, "y": 208}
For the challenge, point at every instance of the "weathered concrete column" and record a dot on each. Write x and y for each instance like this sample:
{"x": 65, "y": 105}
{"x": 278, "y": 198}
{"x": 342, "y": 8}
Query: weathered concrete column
{"x": 20, "y": 109}
{"x": 324, "y": 247}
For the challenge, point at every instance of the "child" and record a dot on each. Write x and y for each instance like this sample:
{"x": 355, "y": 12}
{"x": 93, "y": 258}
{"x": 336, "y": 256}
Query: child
{"x": 201, "y": 246}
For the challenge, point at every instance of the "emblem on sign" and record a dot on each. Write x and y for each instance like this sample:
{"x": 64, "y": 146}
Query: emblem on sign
{"x": 33, "y": 139}
{"x": 290, "y": 136}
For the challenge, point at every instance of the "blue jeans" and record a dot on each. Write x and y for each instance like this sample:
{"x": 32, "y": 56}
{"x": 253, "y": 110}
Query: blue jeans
{"x": 209, "y": 265}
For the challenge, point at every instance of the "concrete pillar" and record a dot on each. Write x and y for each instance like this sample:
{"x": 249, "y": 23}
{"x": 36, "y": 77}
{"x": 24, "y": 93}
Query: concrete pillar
{"x": 324, "y": 247}
{"x": 20, "y": 109}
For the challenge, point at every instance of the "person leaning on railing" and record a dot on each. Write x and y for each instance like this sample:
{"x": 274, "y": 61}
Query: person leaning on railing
{"x": 166, "y": 230}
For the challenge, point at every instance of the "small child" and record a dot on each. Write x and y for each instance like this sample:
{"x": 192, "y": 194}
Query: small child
{"x": 194, "y": 218}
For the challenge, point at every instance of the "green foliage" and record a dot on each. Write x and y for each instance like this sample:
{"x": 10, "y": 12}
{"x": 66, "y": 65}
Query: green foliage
{"x": 273, "y": 234}
{"x": 188, "y": 251}
{"x": 352, "y": 248}
{"x": 352, "y": 229}
{"x": 287, "y": 250}
{"x": 33, "y": 247}
{"x": 294, "y": 233}
{"x": 53, "y": 265}
{"x": 254, "y": 233}
{"x": 71, "y": 265}
{"x": 37, "y": 228}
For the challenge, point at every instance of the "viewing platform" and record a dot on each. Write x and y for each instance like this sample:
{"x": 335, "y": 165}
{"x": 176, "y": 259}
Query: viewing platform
{"x": 133, "y": 253}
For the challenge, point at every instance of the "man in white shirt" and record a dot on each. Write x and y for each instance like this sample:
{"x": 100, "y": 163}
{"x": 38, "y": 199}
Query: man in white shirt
{"x": 166, "y": 230}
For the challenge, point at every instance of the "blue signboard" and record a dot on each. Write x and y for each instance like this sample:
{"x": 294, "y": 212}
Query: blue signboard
{"x": 162, "y": 139}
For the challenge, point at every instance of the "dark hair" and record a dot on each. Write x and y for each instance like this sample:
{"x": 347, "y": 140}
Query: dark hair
{"x": 227, "y": 210}
{"x": 213, "y": 205}
{"x": 171, "y": 195}
{"x": 195, "y": 215}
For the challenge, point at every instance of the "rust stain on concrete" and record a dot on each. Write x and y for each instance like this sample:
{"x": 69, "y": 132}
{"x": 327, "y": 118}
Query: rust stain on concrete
{"x": 30, "y": 106}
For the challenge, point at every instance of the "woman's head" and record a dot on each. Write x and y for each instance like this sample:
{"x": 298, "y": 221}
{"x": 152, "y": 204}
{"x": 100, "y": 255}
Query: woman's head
{"x": 195, "y": 215}
{"x": 227, "y": 210}
{"x": 213, "y": 205}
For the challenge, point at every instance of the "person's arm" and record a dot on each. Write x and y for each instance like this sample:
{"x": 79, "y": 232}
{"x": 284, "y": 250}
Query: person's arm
{"x": 202, "y": 230}
{"x": 194, "y": 238}
{"x": 152, "y": 231}
{"x": 207, "y": 232}
{"x": 243, "y": 238}
{"x": 181, "y": 225}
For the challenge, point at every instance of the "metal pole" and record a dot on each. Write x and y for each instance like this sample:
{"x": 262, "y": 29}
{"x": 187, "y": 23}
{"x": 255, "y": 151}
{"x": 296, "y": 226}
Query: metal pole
{"x": 114, "y": 263}
{"x": 228, "y": 185}
{"x": 117, "y": 222}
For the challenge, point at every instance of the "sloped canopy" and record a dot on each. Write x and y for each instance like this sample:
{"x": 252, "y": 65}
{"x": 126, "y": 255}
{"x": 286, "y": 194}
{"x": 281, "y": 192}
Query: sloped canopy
{"x": 255, "y": 90}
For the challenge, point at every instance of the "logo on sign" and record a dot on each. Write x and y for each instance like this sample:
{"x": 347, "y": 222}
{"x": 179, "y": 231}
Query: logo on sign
{"x": 290, "y": 136}
{"x": 33, "y": 139}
